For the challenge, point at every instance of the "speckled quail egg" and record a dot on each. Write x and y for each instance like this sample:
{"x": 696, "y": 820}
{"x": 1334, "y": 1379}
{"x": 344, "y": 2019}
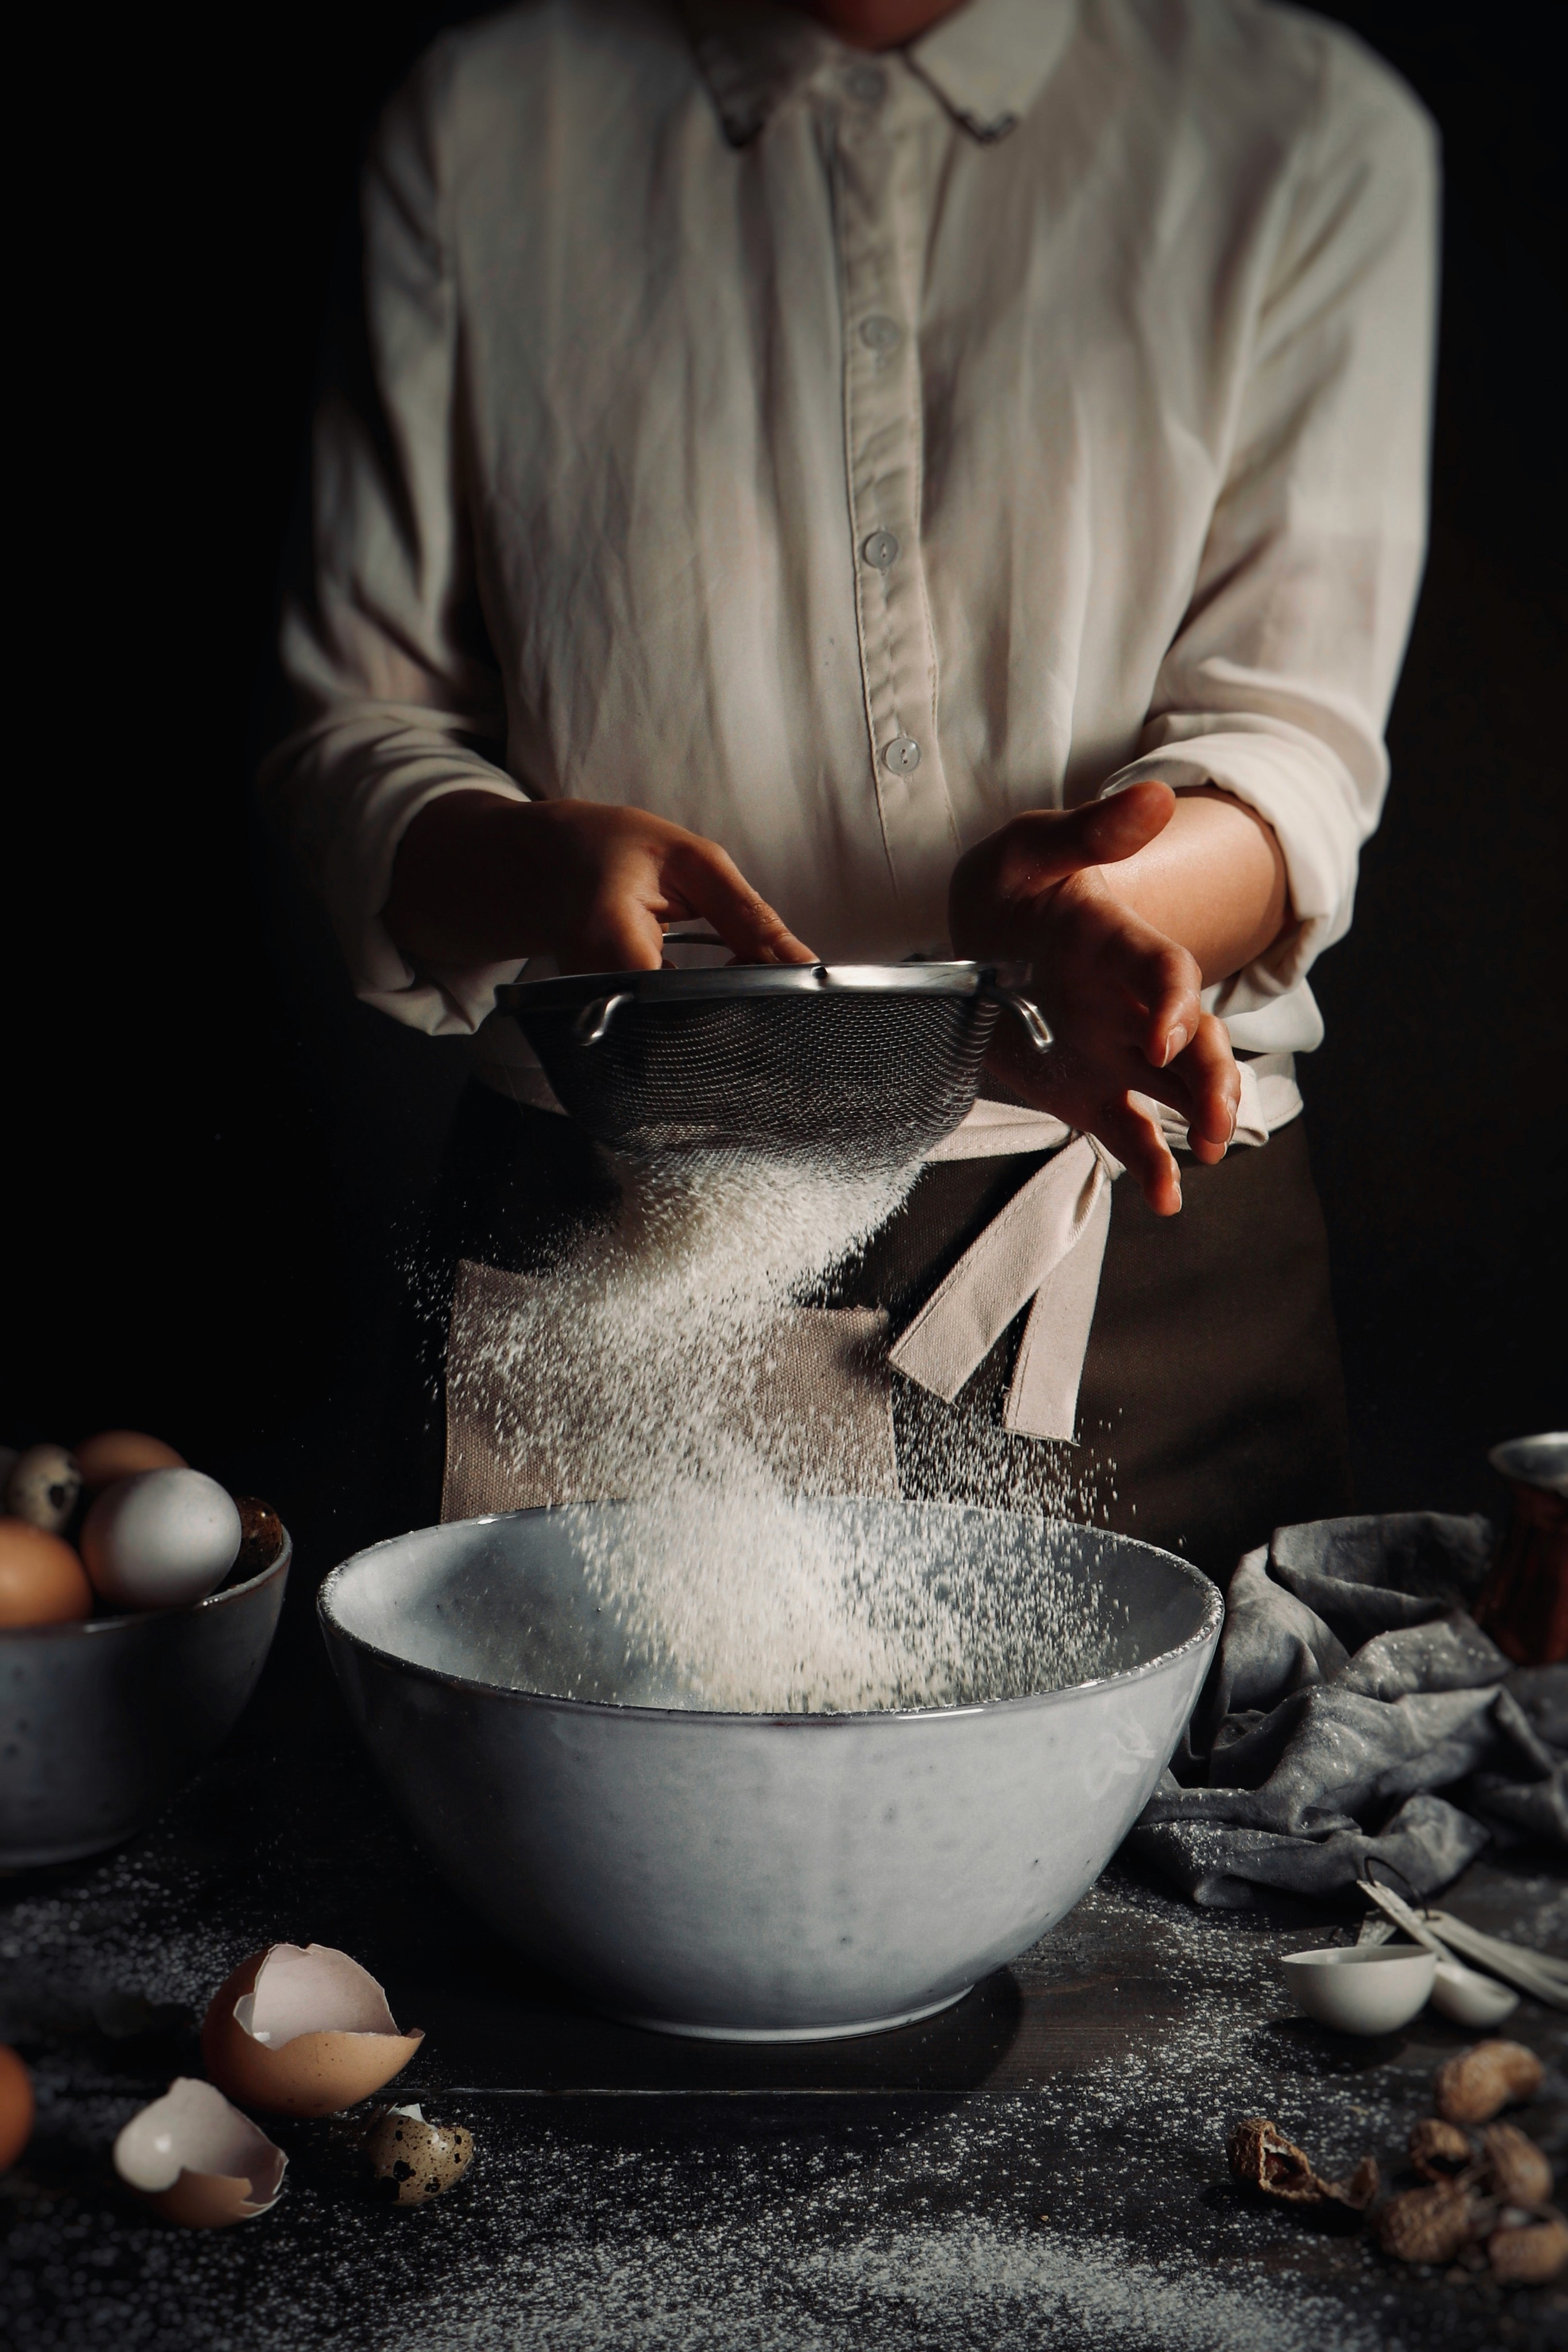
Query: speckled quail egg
{"x": 44, "y": 1483}
{"x": 411, "y": 2159}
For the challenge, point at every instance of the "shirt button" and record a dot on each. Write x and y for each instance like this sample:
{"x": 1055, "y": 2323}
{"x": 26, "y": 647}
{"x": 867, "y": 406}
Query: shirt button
{"x": 881, "y": 334}
{"x": 902, "y": 755}
{"x": 867, "y": 84}
{"x": 881, "y": 550}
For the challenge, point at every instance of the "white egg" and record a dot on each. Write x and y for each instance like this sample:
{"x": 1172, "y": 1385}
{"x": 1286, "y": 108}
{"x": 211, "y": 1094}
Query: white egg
{"x": 161, "y": 1540}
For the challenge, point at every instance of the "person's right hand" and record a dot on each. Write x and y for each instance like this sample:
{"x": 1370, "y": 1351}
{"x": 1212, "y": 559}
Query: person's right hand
{"x": 480, "y": 879}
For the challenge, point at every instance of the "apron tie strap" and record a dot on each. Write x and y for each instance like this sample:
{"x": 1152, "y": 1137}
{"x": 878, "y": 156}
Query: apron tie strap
{"x": 1048, "y": 1244}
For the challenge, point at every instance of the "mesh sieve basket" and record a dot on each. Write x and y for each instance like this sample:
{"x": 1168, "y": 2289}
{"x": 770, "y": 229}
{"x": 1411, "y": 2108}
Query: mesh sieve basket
{"x": 873, "y": 1062}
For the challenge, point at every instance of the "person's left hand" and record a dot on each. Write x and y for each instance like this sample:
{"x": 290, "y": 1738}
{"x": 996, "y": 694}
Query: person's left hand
{"x": 1121, "y": 999}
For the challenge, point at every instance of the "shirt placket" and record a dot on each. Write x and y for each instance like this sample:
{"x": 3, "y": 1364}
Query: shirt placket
{"x": 877, "y": 213}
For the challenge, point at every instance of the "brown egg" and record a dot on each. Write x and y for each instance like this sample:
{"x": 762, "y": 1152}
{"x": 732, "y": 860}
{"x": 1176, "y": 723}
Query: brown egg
{"x": 42, "y": 1582}
{"x": 120, "y": 1453}
{"x": 197, "y": 2160}
{"x": 302, "y": 2030}
{"x": 15, "y": 2107}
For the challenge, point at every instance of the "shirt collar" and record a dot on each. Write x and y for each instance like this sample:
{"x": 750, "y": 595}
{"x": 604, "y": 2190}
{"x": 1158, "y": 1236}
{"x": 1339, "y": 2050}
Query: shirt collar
{"x": 987, "y": 62}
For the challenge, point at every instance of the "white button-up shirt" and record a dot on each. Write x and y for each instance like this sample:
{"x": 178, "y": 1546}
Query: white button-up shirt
{"x": 839, "y": 455}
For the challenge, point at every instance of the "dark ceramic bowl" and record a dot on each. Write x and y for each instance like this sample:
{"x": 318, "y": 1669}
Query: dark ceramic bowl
{"x": 101, "y": 1722}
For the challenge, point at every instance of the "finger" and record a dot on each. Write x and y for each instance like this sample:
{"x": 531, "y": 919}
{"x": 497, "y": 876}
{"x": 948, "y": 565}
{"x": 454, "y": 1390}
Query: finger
{"x": 1214, "y": 1083}
{"x": 1203, "y": 1087}
{"x": 620, "y": 933}
{"x": 711, "y": 884}
{"x": 1142, "y": 1150}
{"x": 1045, "y": 845}
{"x": 1125, "y": 822}
{"x": 1061, "y": 1082}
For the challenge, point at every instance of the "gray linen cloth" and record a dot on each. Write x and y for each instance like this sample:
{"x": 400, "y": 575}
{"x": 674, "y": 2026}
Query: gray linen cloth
{"x": 1350, "y": 1684}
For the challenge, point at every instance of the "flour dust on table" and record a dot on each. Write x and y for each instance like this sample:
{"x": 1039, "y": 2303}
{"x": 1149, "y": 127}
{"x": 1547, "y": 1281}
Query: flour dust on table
{"x": 666, "y": 1325}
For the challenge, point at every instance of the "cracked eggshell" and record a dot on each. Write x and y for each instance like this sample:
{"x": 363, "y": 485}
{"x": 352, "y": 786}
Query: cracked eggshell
{"x": 198, "y": 2160}
{"x": 161, "y": 1540}
{"x": 303, "y": 2031}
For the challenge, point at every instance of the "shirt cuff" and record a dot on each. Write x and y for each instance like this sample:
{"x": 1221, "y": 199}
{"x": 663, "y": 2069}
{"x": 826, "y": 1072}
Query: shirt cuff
{"x": 1315, "y": 819}
{"x": 349, "y": 789}
{"x": 443, "y": 1001}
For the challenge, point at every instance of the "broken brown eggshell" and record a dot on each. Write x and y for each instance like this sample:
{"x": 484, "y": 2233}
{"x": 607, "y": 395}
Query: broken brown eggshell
{"x": 302, "y": 2030}
{"x": 1262, "y": 2157}
{"x": 197, "y": 2160}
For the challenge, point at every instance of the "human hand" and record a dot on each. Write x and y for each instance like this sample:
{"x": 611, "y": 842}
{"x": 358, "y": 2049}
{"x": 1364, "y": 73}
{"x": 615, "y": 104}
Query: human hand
{"x": 480, "y": 879}
{"x": 1121, "y": 999}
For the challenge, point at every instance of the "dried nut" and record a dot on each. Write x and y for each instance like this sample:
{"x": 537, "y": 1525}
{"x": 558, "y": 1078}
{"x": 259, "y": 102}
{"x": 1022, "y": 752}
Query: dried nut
{"x": 1472, "y": 2087}
{"x": 1531, "y": 2255}
{"x": 1438, "y": 2151}
{"x": 411, "y": 2159}
{"x": 1426, "y": 2225}
{"x": 1262, "y": 2157}
{"x": 1519, "y": 2173}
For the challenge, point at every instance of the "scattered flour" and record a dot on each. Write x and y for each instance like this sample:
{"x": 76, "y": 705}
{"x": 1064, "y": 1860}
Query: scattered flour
{"x": 962, "y": 2283}
{"x": 756, "y": 1605}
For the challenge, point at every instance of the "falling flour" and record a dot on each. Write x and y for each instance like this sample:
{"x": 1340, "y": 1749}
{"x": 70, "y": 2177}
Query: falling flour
{"x": 752, "y": 1602}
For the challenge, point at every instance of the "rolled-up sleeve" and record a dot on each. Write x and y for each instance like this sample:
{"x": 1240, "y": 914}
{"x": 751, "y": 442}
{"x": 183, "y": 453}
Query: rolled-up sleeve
{"x": 1277, "y": 687}
{"x": 383, "y": 645}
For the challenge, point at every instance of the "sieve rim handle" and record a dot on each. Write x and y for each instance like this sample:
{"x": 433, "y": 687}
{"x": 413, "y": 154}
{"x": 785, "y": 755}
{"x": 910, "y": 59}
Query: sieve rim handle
{"x": 1035, "y": 1026}
{"x": 594, "y": 1022}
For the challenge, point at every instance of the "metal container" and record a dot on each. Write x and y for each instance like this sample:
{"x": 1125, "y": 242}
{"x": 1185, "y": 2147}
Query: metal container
{"x": 101, "y": 1722}
{"x": 747, "y": 1877}
{"x": 1523, "y": 1605}
{"x": 867, "y": 1062}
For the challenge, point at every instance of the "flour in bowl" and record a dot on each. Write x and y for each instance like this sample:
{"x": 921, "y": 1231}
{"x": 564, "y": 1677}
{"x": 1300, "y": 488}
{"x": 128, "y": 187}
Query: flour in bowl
{"x": 754, "y": 1604}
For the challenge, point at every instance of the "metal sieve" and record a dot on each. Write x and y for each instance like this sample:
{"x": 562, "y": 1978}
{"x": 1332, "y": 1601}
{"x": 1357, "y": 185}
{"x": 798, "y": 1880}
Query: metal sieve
{"x": 869, "y": 1062}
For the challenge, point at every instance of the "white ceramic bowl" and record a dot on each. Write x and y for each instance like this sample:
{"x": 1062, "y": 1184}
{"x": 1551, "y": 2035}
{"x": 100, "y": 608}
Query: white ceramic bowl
{"x": 1364, "y": 1987}
{"x": 751, "y": 1877}
{"x": 102, "y": 1722}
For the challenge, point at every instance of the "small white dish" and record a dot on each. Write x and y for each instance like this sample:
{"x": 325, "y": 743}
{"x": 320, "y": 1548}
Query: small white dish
{"x": 1470, "y": 1998}
{"x": 1362, "y": 1988}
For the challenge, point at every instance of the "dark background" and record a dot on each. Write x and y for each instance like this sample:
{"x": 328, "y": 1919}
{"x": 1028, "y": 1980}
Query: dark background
{"x": 186, "y": 1085}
